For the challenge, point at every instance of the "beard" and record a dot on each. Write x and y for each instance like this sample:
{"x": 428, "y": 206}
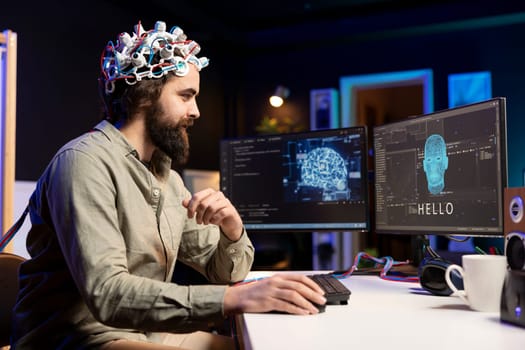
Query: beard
{"x": 170, "y": 138}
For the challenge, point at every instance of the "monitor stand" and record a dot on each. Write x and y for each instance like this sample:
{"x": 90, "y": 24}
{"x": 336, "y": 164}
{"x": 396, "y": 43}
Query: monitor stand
{"x": 418, "y": 244}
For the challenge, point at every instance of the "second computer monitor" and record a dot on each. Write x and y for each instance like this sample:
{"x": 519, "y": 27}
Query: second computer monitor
{"x": 442, "y": 173}
{"x": 309, "y": 181}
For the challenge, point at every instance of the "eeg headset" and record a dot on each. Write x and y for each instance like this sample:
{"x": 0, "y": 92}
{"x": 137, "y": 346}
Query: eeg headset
{"x": 148, "y": 54}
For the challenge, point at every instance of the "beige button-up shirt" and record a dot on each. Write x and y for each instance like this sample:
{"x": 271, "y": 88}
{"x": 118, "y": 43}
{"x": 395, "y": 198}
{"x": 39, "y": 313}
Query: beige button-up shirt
{"x": 106, "y": 233}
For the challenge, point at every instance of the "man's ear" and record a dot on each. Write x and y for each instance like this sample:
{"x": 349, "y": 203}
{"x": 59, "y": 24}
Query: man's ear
{"x": 145, "y": 104}
{"x": 140, "y": 111}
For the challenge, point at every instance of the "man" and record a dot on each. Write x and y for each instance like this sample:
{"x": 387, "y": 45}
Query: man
{"x": 110, "y": 219}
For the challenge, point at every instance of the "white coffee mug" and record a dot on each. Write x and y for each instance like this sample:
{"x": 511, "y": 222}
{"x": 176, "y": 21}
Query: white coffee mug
{"x": 483, "y": 277}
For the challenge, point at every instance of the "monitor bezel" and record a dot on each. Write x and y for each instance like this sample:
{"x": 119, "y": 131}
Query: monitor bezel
{"x": 293, "y": 227}
{"x": 451, "y": 231}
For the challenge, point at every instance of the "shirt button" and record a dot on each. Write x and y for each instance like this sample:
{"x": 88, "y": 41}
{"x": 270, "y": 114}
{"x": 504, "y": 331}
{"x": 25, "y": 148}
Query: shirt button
{"x": 156, "y": 192}
{"x": 232, "y": 251}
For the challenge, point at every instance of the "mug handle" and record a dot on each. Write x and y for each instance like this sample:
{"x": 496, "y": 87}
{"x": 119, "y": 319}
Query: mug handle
{"x": 460, "y": 293}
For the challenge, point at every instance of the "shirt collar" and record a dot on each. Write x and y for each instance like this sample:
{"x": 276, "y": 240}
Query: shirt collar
{"x": 160, "y": 163}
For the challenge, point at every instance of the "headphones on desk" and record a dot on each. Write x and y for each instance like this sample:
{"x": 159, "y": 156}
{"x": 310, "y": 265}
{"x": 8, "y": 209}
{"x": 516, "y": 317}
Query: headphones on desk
{"x": 431, "y": 274}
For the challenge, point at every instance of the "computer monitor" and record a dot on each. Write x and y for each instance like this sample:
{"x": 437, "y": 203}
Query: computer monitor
{"x": 443, "y": 172}
{"x": 308, "y": 181}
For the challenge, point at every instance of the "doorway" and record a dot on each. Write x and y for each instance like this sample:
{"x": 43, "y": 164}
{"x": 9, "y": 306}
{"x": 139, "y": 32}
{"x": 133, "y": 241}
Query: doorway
{"x": 372, "y": 100}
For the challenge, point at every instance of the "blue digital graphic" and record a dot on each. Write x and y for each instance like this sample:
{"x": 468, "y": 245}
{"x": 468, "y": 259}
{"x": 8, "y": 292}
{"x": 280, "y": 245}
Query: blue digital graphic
{"x": 325, "y": 169}
{"x": 435, "y": 163}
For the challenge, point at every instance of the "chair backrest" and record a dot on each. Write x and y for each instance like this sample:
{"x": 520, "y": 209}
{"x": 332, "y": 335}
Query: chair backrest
{"x": 9, "y": 264}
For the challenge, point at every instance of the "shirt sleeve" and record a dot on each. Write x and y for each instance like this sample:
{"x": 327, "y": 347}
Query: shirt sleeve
{"x": 82, "y": 197}
{"x": 226, "y": 262}
{"x": 212, "y": 253}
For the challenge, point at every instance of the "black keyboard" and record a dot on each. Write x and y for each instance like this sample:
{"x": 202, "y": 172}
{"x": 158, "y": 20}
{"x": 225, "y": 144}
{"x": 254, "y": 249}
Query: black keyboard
{"x": 335, "y": 291}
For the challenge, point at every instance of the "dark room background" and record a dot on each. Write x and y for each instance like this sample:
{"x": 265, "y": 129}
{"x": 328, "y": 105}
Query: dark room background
{"x": 59, "y": 45}
{"x": 251, "y": 52}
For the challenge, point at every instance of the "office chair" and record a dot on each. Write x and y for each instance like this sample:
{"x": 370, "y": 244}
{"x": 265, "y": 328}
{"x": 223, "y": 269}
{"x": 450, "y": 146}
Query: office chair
{"x": 9, "y": 264}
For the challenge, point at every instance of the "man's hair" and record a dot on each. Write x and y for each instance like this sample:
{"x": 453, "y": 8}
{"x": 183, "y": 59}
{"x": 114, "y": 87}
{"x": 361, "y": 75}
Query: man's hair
{"x": 127, "y": 100}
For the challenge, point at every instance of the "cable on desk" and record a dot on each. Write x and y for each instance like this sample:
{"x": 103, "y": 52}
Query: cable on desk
{"x": 387, "y": 262}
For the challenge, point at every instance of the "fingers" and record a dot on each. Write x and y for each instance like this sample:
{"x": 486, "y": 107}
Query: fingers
{"x": 304, "y": 286}
{"x": 291, "y": 308}
{"x": 294, "y": 294}
{"x": 212, "y": 207}
{"x": 208, "y": 206}
{"x": 290, "y": 293}
{"x": 293, "y": 302}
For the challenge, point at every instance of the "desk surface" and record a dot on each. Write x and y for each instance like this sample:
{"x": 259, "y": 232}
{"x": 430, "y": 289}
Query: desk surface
{"x": 382, "y": 315}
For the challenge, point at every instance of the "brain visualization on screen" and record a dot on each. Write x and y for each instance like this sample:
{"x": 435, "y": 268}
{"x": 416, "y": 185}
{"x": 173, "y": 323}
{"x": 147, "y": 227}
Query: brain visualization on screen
{"x": 442, "y": 173}
{"x": 315, "y": 180}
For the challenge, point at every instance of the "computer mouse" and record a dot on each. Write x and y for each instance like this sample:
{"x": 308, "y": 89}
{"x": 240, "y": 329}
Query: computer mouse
{"x": 321, "y": 308}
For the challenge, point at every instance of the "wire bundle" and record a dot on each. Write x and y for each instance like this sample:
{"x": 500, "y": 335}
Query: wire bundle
{"x": 387, "y": 262}
{"x": 148, "y": 54}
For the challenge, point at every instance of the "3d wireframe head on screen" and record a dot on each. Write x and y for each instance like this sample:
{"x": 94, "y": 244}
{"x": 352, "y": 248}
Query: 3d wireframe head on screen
{"x": 435, "y": 163}
{"x": 142, "y": 57}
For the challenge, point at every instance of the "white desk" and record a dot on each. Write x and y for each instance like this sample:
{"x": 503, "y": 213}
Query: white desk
{"x": 382, "y": 315}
